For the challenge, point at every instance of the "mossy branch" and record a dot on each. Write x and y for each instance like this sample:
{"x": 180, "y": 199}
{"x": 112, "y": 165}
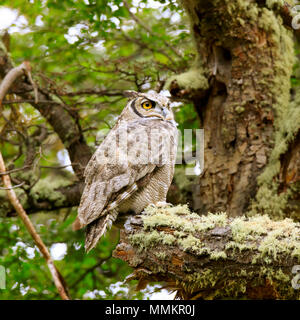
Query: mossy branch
{"x": 45, "y": 196}
{"x": 212, "y": 256}
{"x": 190, "y": 85}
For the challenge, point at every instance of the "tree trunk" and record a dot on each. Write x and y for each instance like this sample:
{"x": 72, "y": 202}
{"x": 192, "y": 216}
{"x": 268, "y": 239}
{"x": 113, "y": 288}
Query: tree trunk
{"x": 213, "y": 257}
{"x": 240, "y": 86}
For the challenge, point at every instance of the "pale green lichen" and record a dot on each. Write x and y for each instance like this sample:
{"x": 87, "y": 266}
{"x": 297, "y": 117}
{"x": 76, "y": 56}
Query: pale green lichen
{"x": 258, "y": 239}
{"x": 276, "y": 80}
{"x": 242, "y": 228}
{"x": 268, "y": 199}
{"x": 216, "y": 255}
{"x": 179, "y": 234}
{"x": 277, "y": 237}
{"x": 181, "y": 218}
{"x": 274, "y": 3}
{"x": 237, "y": 247}
{"x": 184, "y": 225}
{"x": 190, "y": 243}
{"x": 183, "y": 229}
{"x": 194, "y": 79}
{"x": 239, "y": 109}
{"x": 273, "y": 80}
{"x": 275, "y": 244}
{"x": 47, "y": 188}
{"x": 148, "y": 240}
{"x": 161, "y": 255}
{"x": 5, "y": 205}
{"x": 287, "y": 116}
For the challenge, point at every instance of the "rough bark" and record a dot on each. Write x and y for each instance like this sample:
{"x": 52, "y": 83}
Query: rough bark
{"x": 212, "y": 257}
{"x": 240, "y": 88}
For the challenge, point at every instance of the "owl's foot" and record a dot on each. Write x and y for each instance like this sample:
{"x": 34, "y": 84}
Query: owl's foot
{"x": 161, "y": 204}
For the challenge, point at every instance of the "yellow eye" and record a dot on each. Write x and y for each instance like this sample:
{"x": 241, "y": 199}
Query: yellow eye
{"x": 147, "y": 105}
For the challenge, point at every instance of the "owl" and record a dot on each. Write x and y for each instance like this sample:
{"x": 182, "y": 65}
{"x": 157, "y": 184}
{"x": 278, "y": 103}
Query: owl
{"x": 132, "y": 168}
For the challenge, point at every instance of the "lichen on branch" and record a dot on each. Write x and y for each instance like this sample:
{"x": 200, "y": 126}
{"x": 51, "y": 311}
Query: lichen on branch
{"x": 187, "y": 83}
{"x": 212, "y": 256}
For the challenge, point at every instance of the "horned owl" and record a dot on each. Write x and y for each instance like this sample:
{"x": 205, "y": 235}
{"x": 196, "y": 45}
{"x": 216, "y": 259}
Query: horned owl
{"x": 132, "y": 168}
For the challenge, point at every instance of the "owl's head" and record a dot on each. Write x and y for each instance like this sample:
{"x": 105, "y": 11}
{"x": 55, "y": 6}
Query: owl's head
{"x": 150, "y": 105}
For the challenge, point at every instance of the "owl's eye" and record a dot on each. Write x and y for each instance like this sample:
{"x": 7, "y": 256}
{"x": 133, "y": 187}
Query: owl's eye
{"x": 147, "y": 105}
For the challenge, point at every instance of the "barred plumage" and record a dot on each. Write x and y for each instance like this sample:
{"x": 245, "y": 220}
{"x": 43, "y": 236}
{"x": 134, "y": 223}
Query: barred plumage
{"x": 132, "y": 168}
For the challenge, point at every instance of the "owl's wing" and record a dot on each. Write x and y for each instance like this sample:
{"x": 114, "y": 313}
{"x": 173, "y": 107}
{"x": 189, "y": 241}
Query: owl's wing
{"x": 111, "y": 175}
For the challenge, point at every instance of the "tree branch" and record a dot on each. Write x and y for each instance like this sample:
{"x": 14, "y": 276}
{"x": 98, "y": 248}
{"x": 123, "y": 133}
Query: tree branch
{"x": 52, "y": 200}
{"x": 206, "y": 257}
{"x": 109, "y": 93}
{"x": 64, "y": 124}
{"x": 10, "y": 78}
{"x": 57, "y": 277}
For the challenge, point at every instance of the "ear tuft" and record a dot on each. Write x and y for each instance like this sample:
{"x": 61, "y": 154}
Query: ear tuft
{"x": 130, "y": 94}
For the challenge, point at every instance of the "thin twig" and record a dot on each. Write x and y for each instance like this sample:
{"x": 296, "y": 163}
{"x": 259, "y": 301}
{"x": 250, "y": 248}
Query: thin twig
{"x": 88, "y": 270}
{"x": 13, "y": 187}
{"x": 27, "y": 101}
{"x": 29, "y": 166}
{"x": 93, "y": 92}
{"x": 57, "y": 278}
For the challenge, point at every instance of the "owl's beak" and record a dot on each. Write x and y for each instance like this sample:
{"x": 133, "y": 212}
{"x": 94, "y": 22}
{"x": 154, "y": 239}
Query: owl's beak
{"x": 166, "y": 114}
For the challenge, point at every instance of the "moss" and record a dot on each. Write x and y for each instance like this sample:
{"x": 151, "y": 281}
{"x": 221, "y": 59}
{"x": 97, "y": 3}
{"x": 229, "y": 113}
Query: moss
{"x": 256, "y": 240}
{"x": 239, "y": 110}
{"x": 274, "y": 243}
{"x": 194, "y": 79}
{"x": 47, "y": 188}
{"x": 161, "y": 255}
{"x": 179, "y": 234}
{"x": 204, "y": 278}
{"x": 273, "y": 80}
{"x": 216, "y": 255}
{"x": 5, "y": 205}
{"x": 226, "y": 285}
{"x": 239, "y": 247}
{"x": 184, "y": 229}
{"x": 148, "y": 240}
{"x": 184, "y": 224}
{"x": 242, "y": 227}
{"x": 267, "y": 198}
{"x": 274, "y": 3}
{"x": 181, "y": 218}
{"x": 287, "y": 117}
{"x": 190, "y": 243}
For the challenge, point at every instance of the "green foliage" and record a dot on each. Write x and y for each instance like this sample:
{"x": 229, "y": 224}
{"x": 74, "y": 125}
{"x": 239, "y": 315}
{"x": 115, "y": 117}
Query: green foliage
{"x": 76, "y": 46}
{"x": 28, "y": 276}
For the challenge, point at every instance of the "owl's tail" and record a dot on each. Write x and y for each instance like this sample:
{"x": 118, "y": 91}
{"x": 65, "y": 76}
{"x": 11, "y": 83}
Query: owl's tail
{"x": 97, "y": 228}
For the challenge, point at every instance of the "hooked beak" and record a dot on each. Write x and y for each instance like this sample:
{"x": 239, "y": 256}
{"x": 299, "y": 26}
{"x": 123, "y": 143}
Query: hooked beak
{"x": 167, "y": 114}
